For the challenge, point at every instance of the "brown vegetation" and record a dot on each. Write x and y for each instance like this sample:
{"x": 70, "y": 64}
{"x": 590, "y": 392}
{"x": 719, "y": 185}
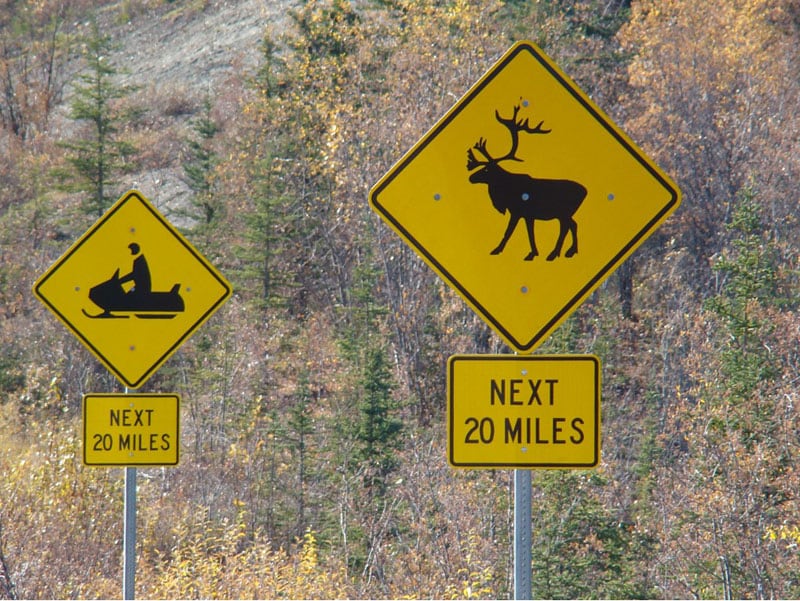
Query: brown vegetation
{"x": 313, "y": 461}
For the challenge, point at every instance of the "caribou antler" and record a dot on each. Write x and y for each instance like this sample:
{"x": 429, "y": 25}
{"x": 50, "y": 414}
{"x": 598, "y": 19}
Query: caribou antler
{"x": 472, "y": 161}
{"x": 514, "y": 127}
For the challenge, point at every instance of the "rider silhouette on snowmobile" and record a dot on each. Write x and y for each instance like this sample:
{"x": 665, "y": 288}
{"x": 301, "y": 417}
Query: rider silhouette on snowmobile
{"x": 140, "y": 275}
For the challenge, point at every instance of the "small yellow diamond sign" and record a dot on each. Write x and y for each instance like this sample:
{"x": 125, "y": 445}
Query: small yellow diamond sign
{"x": 524, "y": 197}
{"x": 131, "y": 429}
{"x": 532, "y": 412}
{"x": 132, "y": 289}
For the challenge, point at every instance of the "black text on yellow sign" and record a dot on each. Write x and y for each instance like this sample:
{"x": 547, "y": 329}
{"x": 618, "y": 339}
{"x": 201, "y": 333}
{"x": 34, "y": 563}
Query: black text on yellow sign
{"x": 534, "y": 412}
{"x": 131, "y": 429}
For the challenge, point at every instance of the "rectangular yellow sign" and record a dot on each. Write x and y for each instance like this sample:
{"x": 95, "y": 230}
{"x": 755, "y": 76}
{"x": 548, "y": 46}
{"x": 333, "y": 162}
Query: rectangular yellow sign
{"x": 534, "y": 411}
{"x": 131, "y": 429}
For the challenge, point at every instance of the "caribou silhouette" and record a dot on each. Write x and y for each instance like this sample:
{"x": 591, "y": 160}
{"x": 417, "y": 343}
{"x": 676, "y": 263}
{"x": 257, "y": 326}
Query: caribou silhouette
{"x": 526, "y": 197}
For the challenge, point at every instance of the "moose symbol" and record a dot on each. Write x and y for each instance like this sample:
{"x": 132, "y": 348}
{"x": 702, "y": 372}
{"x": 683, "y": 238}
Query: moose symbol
{"x": 526, "y": 197}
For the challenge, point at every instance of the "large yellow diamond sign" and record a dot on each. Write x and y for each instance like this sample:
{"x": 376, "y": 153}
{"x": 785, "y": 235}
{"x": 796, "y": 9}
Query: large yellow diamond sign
{"x": 524, "y": 197}
{"x": 132, "y": 289}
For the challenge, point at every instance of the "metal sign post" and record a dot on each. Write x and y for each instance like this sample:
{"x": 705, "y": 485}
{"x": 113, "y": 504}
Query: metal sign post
{"x": 523, "y": 412}
{"x": 130, "y": 430}
{"x": 129, "y": 534}
{"x": 522, "y": 534}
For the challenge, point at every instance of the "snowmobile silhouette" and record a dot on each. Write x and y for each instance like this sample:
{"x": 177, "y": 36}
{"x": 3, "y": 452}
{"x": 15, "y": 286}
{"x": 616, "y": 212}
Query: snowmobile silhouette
{"x": 140, "y": 300}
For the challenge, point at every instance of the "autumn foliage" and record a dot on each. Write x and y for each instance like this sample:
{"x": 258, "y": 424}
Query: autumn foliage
{"x": 313, "y": 460}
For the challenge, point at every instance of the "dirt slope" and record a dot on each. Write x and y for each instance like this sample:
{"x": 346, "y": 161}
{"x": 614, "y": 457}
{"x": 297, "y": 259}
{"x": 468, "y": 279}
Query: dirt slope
{"x": 176, "y": 55}
{"x": 193, "y": 48}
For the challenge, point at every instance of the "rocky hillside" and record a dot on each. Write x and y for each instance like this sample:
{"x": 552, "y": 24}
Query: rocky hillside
{"x": 176, "y": 55}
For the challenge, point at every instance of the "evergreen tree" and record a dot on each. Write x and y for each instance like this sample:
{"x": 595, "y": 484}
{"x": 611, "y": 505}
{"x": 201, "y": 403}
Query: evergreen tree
{"x": 737, "y": 452}
{"x": 748, "y": 273}
{"x": 580, "y": 548}
{"x": 199, "y": 168}
{"x": 378, "y": 430}
{"x": 300, "y": 429}
{"x": 274, "y": 231}
{"x": 378, "y": 433}
{"x": 362, "y": 315}
{"x": 96, "y": 158}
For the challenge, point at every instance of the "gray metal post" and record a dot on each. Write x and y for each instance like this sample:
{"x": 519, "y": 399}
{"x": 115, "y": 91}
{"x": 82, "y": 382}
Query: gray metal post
{"x": 129, "y": 536}
{"x": 522, "y": 534}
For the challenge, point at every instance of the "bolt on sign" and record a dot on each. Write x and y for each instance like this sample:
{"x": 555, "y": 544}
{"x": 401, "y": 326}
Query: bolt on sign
{"x": 523, "y": 411}
{"x": 131, "y": 429}
{"x": 524, "y": 197}
{"x": 132, "y": 289}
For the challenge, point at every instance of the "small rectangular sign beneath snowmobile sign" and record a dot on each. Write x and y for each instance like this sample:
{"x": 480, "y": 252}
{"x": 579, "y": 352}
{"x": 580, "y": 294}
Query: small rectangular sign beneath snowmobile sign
{"x": 132, "y": 289}
{"x": 131, "y": 429}
{"x": 524, "y": 197}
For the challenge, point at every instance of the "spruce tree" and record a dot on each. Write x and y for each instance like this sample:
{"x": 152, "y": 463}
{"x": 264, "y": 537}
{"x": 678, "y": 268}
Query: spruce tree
{"x": 199, "y": 168}
{"x": 378, "y": 434}
{"x": 100, "y": 154}
{"x": 273, "y": 236}
{"x": 300, "y": 431}
{"x": 750, "y": 285}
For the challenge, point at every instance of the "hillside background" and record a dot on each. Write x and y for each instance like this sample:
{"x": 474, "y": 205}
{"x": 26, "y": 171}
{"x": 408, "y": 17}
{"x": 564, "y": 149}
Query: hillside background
{"x": 313, "y": 422}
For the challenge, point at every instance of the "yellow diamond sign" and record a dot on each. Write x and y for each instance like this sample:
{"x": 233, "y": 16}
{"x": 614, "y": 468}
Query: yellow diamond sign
{"x": 132, "y": 289}
{"x": 524, "y": 197}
